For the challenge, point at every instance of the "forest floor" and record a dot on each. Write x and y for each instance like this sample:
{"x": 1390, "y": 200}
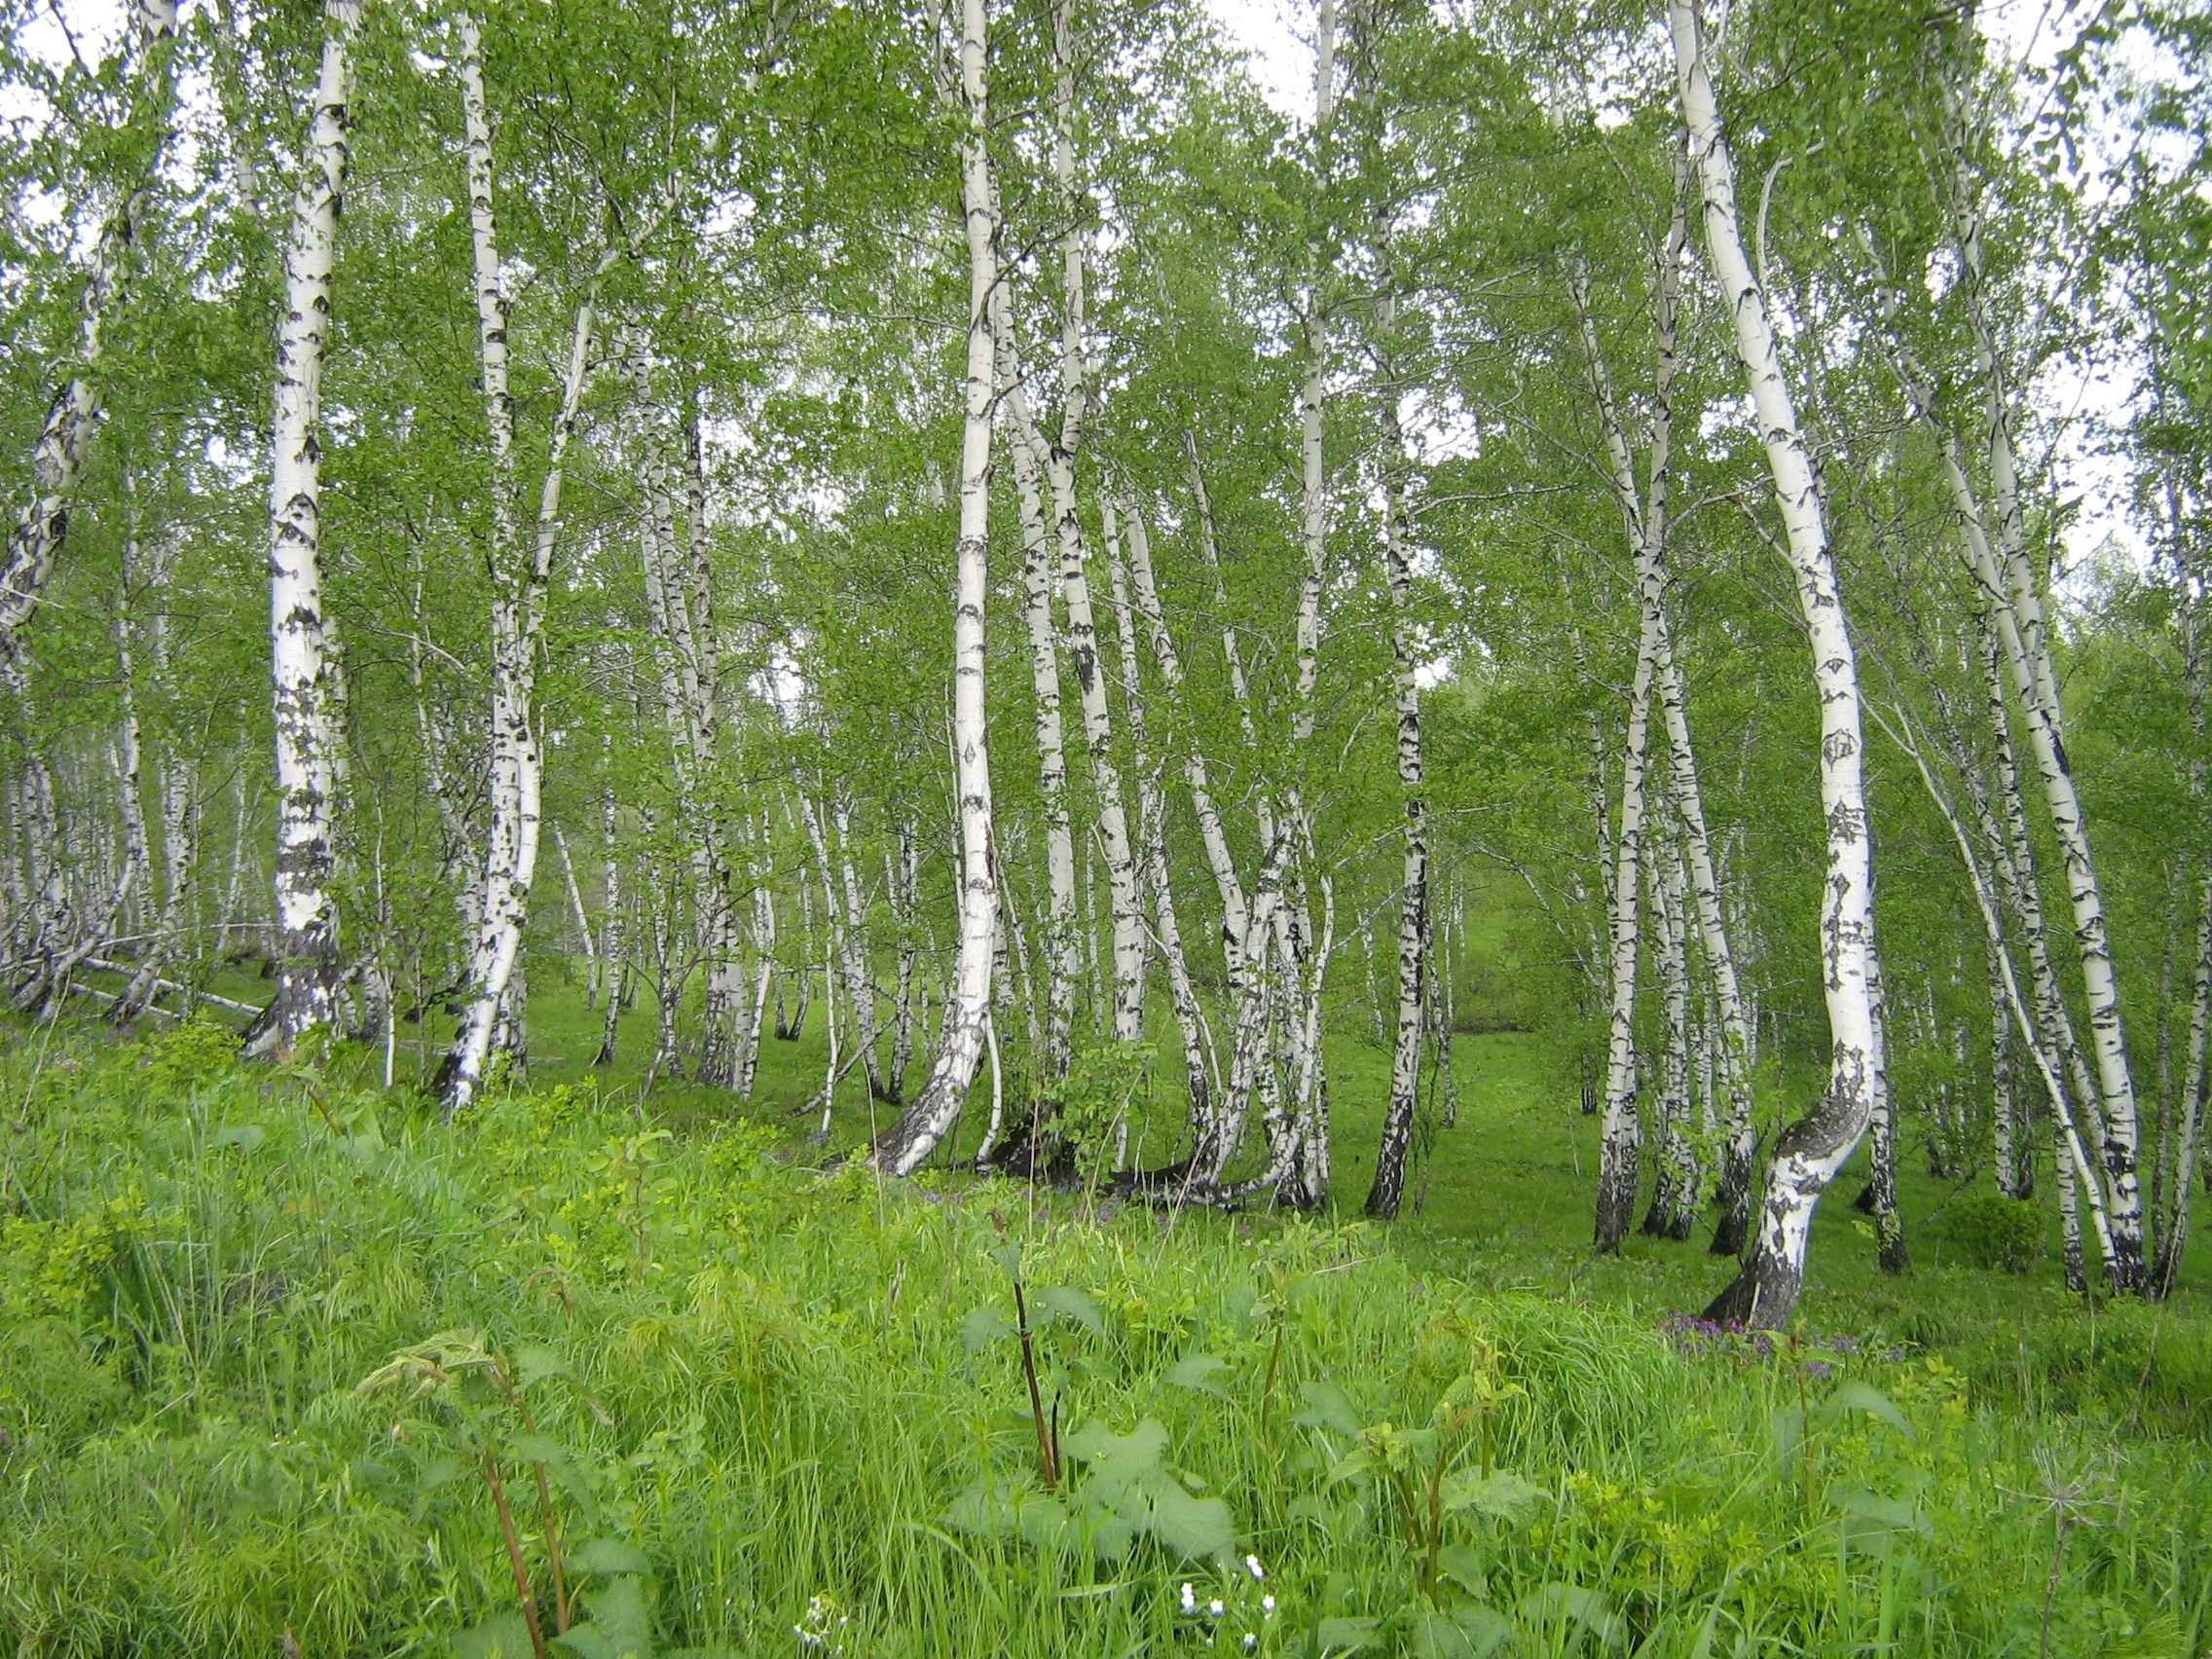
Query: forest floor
{"x": 259, "y": 1331}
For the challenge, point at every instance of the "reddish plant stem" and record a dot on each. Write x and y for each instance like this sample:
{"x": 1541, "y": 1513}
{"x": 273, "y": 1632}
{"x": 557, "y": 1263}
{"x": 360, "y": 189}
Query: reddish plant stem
{"x": 514, "y": 1553}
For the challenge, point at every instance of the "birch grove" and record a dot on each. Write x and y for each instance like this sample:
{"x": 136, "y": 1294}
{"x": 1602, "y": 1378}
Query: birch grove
{"x": 1341, "y": 722}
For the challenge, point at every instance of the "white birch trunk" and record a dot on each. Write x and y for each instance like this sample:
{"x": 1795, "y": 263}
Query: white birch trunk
{"x": 1074, "y": 582}
{"x": 2073, "y": 1158}
{"x": 519, "y": 578}
{"x": 1998, "y": 546}
{"x": 1810, "y": 1152}
{"x": 901, "y": 1150}
{"x": 1235, "y": 926}
{"x": 1201, "y": 1069}
{"x": 1620, "y": 1130}
{"x": 2014, "y": 1171}
{"x": 1674, "y": 1193}
{"x": 860, "y": 959}
{"x": 1059, "y": 943}
{"x": 1387, "y": 1188}
{"x": 304, "y": 685}
{"x": 59, "y": 452}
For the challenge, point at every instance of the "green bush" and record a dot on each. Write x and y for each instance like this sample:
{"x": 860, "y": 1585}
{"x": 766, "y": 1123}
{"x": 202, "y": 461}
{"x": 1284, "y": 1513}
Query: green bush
{"x": 1988, "y": 1231}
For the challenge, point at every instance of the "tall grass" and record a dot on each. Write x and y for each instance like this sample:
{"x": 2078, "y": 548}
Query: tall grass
{"x": 771, "y": 1405}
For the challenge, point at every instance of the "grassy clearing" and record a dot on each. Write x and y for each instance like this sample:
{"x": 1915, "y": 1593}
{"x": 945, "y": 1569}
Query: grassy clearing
{"x": 767, "y": 1401}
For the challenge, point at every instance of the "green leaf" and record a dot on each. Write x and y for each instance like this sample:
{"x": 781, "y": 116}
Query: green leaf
{"x": 1570, "y": 1603}
{"x": 1197, "y": 1527}
{"x": 1877, "y": 1513}
{"x": 983, "y": 1327}
{"x": 608, "y": 1556}
{"x": 246, "y": 1137}
{"x": 620, "y": 1627}
{"x": 1356, "y": 1465}
{"x": 1198, "y": 1372}
{"x": 1116, "y": 1457}
{"x": 1327, "y": 1406}
{"x": 1348, "y": 1635}
{"x": 1462, "y": 1564}
{"x": 532, "y": 1364}
{"x": 1855, "y": 1395}
{"x": 501, "y": 1637}
{"x": 1788, "y": 1427}
{"x": 1504, "y": 1495}
{"x": 540, "y": 1449}
{"x": 1008, "y": 1257}
{"x": 1463, "y": 1633}
{"x": 1059, "y": 1302}
{"x": 436, "y": 1472}
{"x": 1002, "y": 1508}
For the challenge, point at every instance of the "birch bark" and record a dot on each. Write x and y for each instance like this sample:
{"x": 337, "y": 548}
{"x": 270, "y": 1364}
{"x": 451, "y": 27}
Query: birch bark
{"x": 303, "y": 682}
{"x": 901, "y": 1150}
{"x": 1059, "y": 943}
{"x": 2011, "y": 579}
{"x": 1387, "y": 1189}
{"x": 519, "y": 576}
{"x": 59, "y": 452}
{"x": 1074, "y": 578}
{"x": 1199, "y": 1067}
{"x": 1809, "y": 1153}
{"x": 1236, "y": 911}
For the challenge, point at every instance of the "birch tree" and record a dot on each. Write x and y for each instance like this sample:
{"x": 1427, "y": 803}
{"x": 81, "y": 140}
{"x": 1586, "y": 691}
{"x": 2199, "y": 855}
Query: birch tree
{"x": 901, "y": 1148}
{"x": 307, "y": 710}
{"x": 1809, "y": 1153}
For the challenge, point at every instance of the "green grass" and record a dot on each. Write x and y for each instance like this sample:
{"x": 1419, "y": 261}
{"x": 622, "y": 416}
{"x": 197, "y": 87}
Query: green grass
{"x": 752, "y": 1386}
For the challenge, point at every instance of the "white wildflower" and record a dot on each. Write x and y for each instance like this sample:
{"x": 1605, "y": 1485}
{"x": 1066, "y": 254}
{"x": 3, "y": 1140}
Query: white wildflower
{"x": 1251, "y": 1642}
{"x": 1189, "y": 1600}
{"x": 1253, "y": 1566}
{"x": 1267, "y": 1605}
{"x": 822, "y": 1621}
{"x": 1216, "y": 1607}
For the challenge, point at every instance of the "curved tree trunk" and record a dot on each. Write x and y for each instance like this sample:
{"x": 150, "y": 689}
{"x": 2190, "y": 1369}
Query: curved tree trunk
{"x": 1198, "y": 1063}
{"x": 1809, "y": 1153}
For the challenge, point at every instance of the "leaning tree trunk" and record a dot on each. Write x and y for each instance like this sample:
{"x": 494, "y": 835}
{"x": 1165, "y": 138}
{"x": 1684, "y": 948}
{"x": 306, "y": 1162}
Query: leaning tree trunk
{"x": 1059, "y": 943}
{"x": 46, "y": 923}
{"x": 2011, "y": 581}
{"x": 1300, "y": 965}
{"x": 1620, "y": 1130}
{"x": 2015, "y": 1169}
{"x": 306, "y": 709}
{"x": 2072, "y": 1159}
{"x": 901, "y": 1148}
{"x": 520, "y": 576}
{"x": 36, "y": 535}
{"x": 1882, "y": 1180}
{"x": 1198, "y": 1065}
{"x": 1210, "y": 1118}
{"x": 179, "y": 846}
{"x": 1074, "y": 579}
{"x": 1643, "y": 517}
{"x": 1809, "y": 1153}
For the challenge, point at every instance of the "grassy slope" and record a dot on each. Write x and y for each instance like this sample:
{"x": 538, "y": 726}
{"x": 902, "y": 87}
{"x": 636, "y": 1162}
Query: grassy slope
{"x": 766, "y": 1391}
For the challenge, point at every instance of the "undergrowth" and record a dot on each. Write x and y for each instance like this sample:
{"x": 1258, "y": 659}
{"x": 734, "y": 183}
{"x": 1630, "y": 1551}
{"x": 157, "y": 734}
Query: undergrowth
{"x": 289, "y": 1363}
